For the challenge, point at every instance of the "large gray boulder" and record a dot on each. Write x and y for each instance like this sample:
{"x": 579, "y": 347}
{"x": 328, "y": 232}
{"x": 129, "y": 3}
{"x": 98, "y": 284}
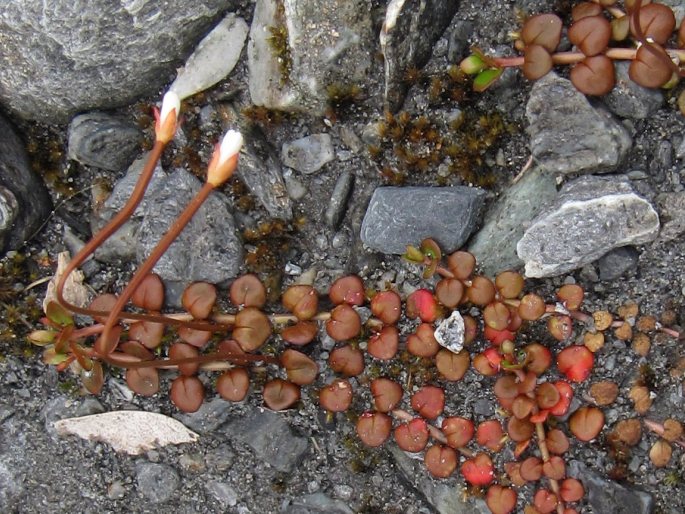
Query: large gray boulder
{"x": 24, "y": 200}
{"x": 65, "y": 56}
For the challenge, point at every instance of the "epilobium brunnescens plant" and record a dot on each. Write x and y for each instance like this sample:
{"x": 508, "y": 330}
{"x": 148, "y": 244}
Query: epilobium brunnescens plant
{"x": 601, "y": 33}
{"x": 465, "y": 321}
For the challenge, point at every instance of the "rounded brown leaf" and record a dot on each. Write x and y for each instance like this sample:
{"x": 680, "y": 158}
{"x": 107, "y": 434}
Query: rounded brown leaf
{"x": 412, "y": 436}
{"x": 628, "y": 431}
{"x": 557, "y": 442}
{"x": 532, "y": 307}
{"x": 301, "y": 370}
{"x": 452, "y": 366}
{"x": 387, "y": 394}
{"x": 481, "y": 291}
{"x": 102, "y": 303}
{"x": 641, "y": 398}
{"x": 302, "y": 300}
{"x": 461, "y": 264}
{"x": 449, "y": 292}
{"x": 279, "y": 394}
{"x": 509, "y": 284}
{"x": 584, "y": 9}
{"x": 590, "y": 34}
{"x": 537, "y": 62}
{"x": 336, "y": 396}
{"x": 251, "y": 329}
{"x": 519, "y": 430}
{"x": 148, "y": 333}
{"x": 185, "y": 351}
{"x": 422, "y": 343}
{"x": 459, "y": 431}
{"x": 660, "y": 453}
{"x": 428, "y": 401}
{"x": 136, "y": 349}
{"x": 531, "y": 469}
{"x": 143, "y": 381}
{"x": 232, "y": 385}
{"x": 198, "y": 299}
{"x": 387, "y": 306}
{"x": 301, "y": 333}
{"x": 500, "y": 500}
{"x": 197, "y": 338}
{"x": 187, "y": 393}
{"x": 594, "y": 75}
{"x": 247, "y": 291}
{"x": 94, "y": 378}
{"x": 571, "y": 490}
{"x": 544, "y": 30}
{"x": 554, "y": 468}
{"x": 657, "y": 22}
{"x": 373, "y": 428}
{"x": 673, "y": 430}
{"x": 346, "y": 360}
{"x": 490, "y": 434}
{"x": 546, "y": 395}
{"x": 149, "y": 295}
{"x": 604, "y": 393}
{"x": 586, "y": 423}
{"x": 650, "y": 67}
{"x": 344, "y": 323}
{"x": 349, "y": 290}
{"x": 545, "y": 501}
{"x": 383, "y": 345}
{"x": 440, "y": 461}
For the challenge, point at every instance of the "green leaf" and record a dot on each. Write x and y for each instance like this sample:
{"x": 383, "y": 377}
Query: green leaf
{"x": 58, "y": 315}
{"x": 413, "y": 254}
{"x": 472, "y": 64}
{"x": 50, "y": 356}
{"x": 42, "y": 337}
{"x": 486, "y": 78}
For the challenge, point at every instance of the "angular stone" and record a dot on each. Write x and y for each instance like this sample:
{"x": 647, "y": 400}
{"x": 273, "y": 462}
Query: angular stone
{"x": 308, "y": 154}
{"x": 64, "y": 57}
{"x": 157, "y": 482}
{"x": 270, "y": 437}
{"x": 208, "y": 417}
{"x": 213, "y": 59}
{"x": 338, "y": 202}
{"x": 609, "y": 497}
{"x": 207, "y": 250}
{"x": 260, "y": 169}
{"x": 672, "y": 213}
{"x": 223, "y": 492}
{"x": 401, "y": 216}
{"x": 617, "y": 262}
{"x": 288, "y": 75}
{"x": 628, "y": 99}
{"x": 494, "y": 245}
{"x": 591, "y": 216}
{"x": 410, "y": 30}
{"x": 568, "y": 135}
{"x": 104, "y": 141}
{"x": 24, "y": 200}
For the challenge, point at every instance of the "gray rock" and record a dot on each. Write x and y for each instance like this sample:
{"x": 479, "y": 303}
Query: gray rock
{"x": 317, "y": 503}
{"x": 568, "y": 135}
{"x": 213, "y": 59}
{"x": 104, "y": 141}
{"x": 494, "y": 245}
{"x": 208, "y": 417}
{"x": 208, "y": 249}
{"x": 270, "y": 437}
{"x": 24, "y": 200}
{"x": 223, "y": 492}
{"x": 443, "y": 495}
{"x": 308, "y": 154}
{"x": 459, "y": 40}
{"x": 410, "y": 30}
{"x": 339, "y": 47}
{"x": 609, "y": 497}
{"x": 671, "y": 208}
{"x": 400, "y": 216}
{"x": 591, "y": 216}
{"x": 260, "y": 169}
{"x": 157, "y": 482}
{"x": 617, "y": 262}
{"x": 338, "y": 203}
{"x": 60, "y": 58}
{"x": 630, "y": 100}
